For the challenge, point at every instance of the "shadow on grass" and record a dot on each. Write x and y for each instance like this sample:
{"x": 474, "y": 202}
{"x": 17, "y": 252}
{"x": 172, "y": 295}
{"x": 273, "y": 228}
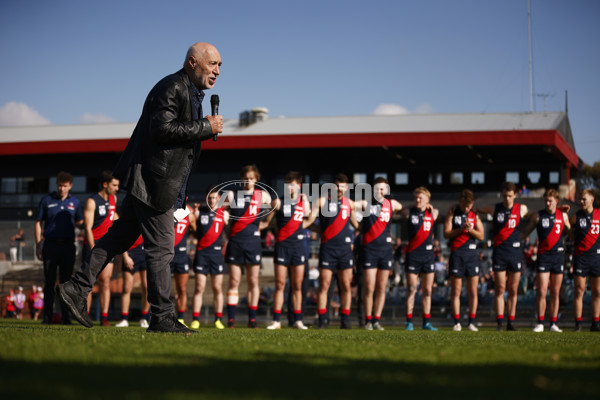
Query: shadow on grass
{"x": 276, "y": 377}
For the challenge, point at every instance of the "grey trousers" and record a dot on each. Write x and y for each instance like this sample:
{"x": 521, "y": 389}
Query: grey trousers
{"x": 158, "y": 232}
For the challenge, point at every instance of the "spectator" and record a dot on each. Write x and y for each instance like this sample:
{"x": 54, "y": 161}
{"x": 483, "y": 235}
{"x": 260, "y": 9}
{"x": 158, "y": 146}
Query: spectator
{"x": 19, "y": 302}
{"x": 10, "y": 304}
{"x": 38, "y": 303}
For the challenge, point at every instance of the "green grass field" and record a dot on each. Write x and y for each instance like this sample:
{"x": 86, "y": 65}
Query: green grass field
{"x": 74, "y": 363}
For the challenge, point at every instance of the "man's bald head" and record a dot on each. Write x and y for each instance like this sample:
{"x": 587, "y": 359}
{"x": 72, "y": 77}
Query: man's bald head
{"x": 203, "y": 65}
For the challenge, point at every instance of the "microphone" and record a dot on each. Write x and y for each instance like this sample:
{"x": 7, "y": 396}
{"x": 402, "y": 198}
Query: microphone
{"x": 214, "y": 106}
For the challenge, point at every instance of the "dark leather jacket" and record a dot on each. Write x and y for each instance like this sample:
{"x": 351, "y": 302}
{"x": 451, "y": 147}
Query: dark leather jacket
{"x": 154, "y": 165}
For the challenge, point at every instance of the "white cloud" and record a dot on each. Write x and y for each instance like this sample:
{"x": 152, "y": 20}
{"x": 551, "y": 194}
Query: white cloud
{"x": 390, "y": 109}
{"x": 395, "y": 109}
{"x": 88, "y": 118}
{"x": 20, "y": 114}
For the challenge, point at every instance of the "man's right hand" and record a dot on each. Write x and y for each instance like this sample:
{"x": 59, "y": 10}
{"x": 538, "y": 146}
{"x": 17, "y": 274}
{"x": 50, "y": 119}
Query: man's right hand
{"x": 216, "y": 123}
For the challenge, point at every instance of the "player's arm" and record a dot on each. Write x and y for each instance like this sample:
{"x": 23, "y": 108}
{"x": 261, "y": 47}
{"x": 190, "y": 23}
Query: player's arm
{"x": 435, "y": 213}
{"x": 396, "y": 206}
{"x": 450, "y": 233}
{"x": 533, "y": 221}
{"x": 314, "y": 213}
{"x": 567, "y": 223}
{"x": 572, "y": 222}
{"x": 193, "y": 221}
{"x": 38, "y": 239}
{"x": 477, "y": 231}
{"x": 275, "y": 206}
{"x": 353, "y": 218}
{"x": 128, "y": 261}
{"x": 88, "y": 218}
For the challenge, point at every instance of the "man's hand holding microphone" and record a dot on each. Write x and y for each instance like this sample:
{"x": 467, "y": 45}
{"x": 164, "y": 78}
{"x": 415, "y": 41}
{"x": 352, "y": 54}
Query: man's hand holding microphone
{"x": 216, "y": 121}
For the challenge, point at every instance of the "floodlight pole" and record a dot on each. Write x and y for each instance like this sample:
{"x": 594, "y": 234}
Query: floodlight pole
{"x": 531, "y": 105}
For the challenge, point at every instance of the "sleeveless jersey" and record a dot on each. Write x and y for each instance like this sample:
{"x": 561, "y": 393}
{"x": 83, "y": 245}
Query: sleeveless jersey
{"x": 210, "y": 229}
{"x": 289, "y": 219}
{"x": 335, "y": 229}
{"x": 464, "y": 241}
{"x": 376, "y": 226}
{"x": 139, "y": 242}
{"x": 244, "y": 216}
{"x": 420, "y": 232}
{"x": 586, "y": 232}
{"x": 506, "y": 226}
{"x": 181, "y": 233}
{"x": 550, "y": 232}
{"x": 103, "y": 215}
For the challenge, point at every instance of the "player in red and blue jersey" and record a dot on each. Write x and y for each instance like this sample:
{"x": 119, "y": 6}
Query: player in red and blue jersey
{"x": 98, "y": 215}
{"x": 244, "y": 248}
{"x": 210, "y": 221}
{"x": 336, "y": 213}
{"x": 375, "y": 253}
{"x": 420, "y": 259}
{"x": 134, "y": 261}
{"x": 551, "y": 224}
{"x": 463, "y": 228}
{"x": 289, "y": 248}
{"x": 180, "y": 265}
{"x": 586, "y": 259}
{"x": 507, "y": 257}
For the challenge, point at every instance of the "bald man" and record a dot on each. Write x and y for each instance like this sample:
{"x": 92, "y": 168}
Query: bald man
{"x": 154, "y": 170}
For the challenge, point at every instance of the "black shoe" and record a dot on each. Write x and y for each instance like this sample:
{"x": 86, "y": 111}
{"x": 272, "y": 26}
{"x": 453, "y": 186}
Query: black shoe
{"x": 168, "y": 324}
{"x": 252, "y": 324}
{"x": 595, "y": 328}
{"x": 323, "y": 324}
{"x": 499, "y": 328}
{"x": 231, "y": 323}
{"x": 76, "y": 304}
{"x": 577, "y": 328}
{"x": 509, "y": 327}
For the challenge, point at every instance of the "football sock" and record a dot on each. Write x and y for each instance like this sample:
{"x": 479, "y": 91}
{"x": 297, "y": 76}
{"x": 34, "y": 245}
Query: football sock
{"x": 218, "y": 316}
{"x": 125, "y": 316}
{"x": 456, "y": 319}
{"x": 322, "y": 314}
{"x": 471, "y": 319}
{"x": 408, "y": 317}
{"x": 277, "y": 315}
{"x": 426, "y": 318}
{"x": 196, "y": 316}
{"x": 297, "y": 315}
{"x": 180, "y": 314}
{"x": 252, "y": 313}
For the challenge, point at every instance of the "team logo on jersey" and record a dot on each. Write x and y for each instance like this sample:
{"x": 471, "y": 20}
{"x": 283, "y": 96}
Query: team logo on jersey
{"x": 545, "y": 222}
{"x": 333, "y": 207}
{"x": 500, "y": 218}
{"x": 458, "y": 220}
{"x": 414, "y": 219}
{"x": 204, "y": 219}
{"x": 375, "y": 210}
{"x": 287, "y": 210}
{"x": 239, "y": 201}
{"x": 102, "y": 210}
{"x": 583, "y": 223}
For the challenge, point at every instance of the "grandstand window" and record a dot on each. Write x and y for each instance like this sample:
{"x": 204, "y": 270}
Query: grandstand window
{"x": 401, "y": 178}
{"x": 534, "y": 177}
{"x": 359, "y": 177}
{"x": 456, "y": 178}
{"x": 554, "y": 177}
{"x": 381, "y": 175}
{"x": 477, "y": 178}
{"x": 435, "y": 178}
{"x": 17, "y": 185}
{"x": 512, "y": 176}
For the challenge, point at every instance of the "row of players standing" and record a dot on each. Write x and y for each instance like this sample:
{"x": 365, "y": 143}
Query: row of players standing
{"x": 462, "y": 227}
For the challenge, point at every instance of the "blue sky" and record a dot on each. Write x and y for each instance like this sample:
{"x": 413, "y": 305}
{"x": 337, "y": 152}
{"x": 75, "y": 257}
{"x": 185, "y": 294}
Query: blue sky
{"x": 68, "y": 62}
